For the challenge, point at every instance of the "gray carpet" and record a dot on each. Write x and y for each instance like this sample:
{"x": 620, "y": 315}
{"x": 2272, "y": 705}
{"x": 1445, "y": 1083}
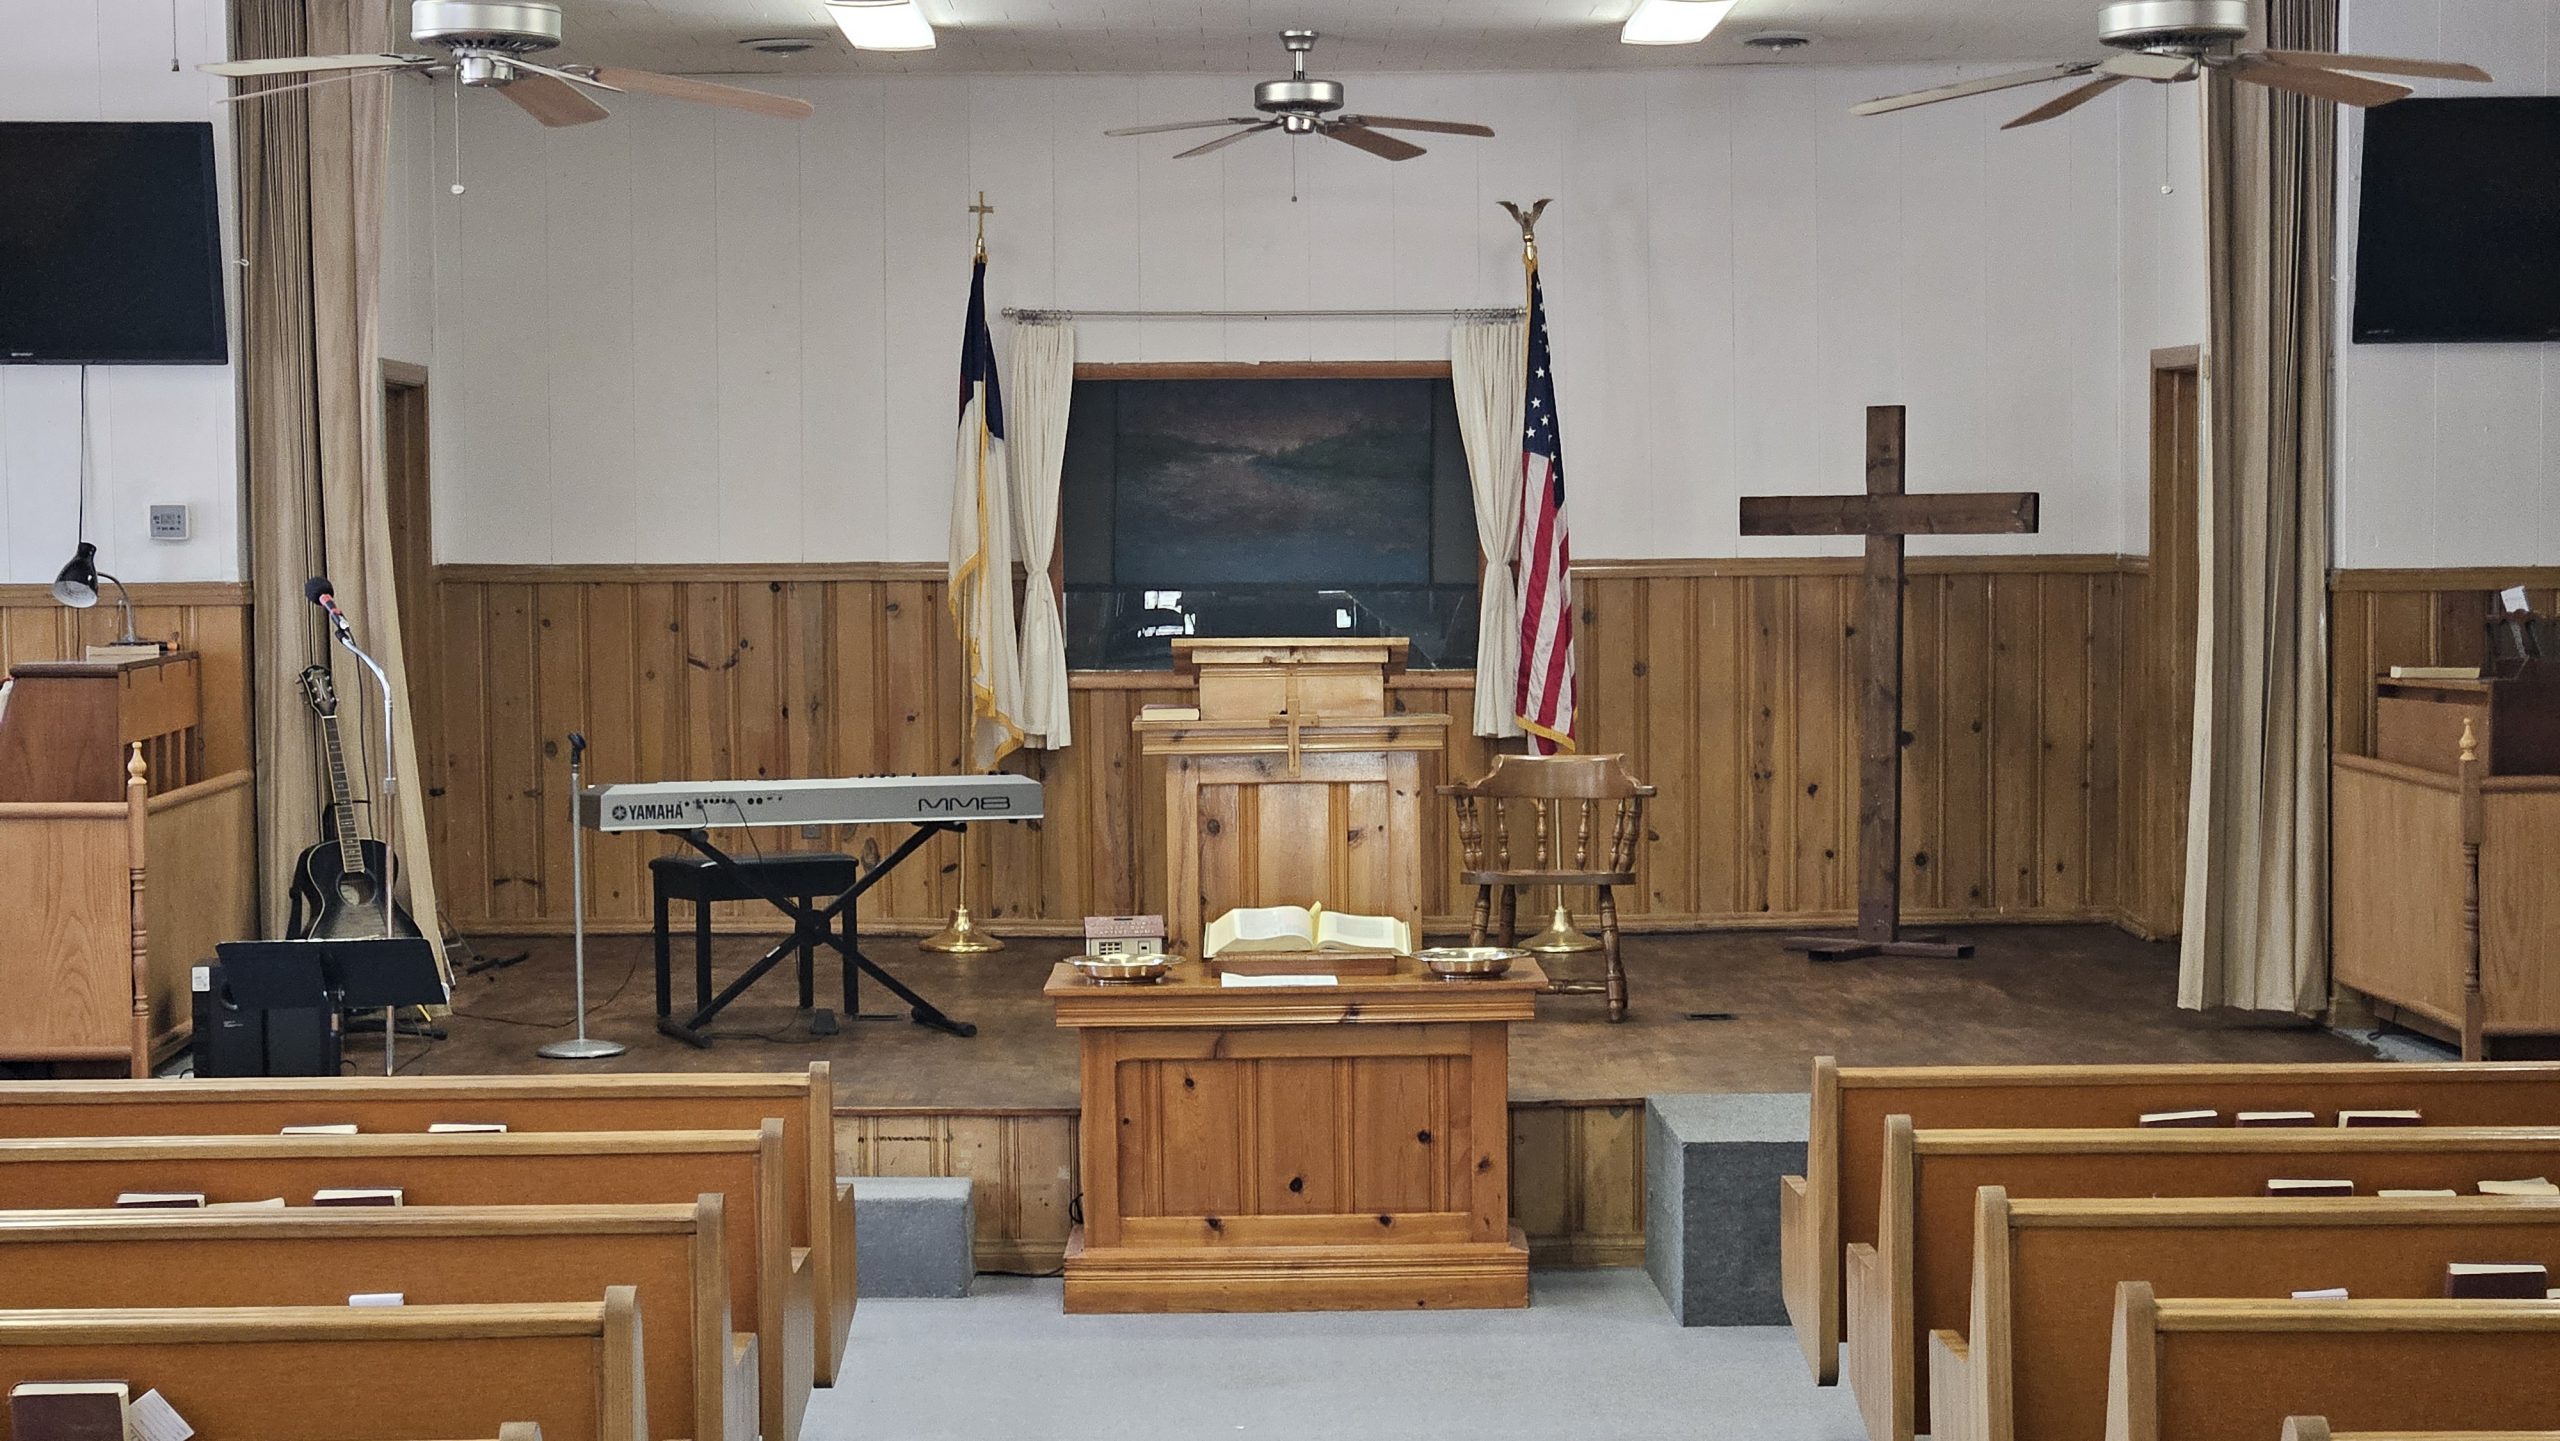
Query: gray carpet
{"x": 1595, "y": 1355}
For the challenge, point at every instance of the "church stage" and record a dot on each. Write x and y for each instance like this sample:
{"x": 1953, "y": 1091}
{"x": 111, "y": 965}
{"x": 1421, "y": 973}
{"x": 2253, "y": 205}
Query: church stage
{"x": 1000, "y": 1107}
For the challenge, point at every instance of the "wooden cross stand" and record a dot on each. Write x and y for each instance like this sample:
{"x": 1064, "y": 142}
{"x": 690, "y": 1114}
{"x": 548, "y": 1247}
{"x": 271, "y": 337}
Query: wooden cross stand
{"x": 1884, "y": 515}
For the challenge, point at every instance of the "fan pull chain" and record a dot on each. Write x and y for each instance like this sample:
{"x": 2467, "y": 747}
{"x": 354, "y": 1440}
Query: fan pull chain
{"x": 173, "y": 37}
{"x": 458, "y": 186}
{"x": 1293, "y": 169}
{"x": 2168, "y": 100}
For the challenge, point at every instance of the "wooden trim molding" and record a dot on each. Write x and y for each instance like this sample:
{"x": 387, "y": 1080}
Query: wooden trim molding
{"x": 145, "y": 593}
{"x": 2469, "y": 577}
{"x": 690, "y": 573}
{"x": 1660, "y": 567}
{"x": 1717, "y": 567}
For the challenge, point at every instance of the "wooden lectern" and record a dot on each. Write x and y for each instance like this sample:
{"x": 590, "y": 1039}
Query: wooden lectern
{"x": 1298, "y": 785}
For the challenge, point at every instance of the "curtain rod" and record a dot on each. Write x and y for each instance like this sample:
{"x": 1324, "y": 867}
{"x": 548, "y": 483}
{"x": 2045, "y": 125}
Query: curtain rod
{"x": 1038, "y": 316}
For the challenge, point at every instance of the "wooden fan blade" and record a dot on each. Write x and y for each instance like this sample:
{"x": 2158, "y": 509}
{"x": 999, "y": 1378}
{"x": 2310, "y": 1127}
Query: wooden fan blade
{"x": 2068, "y": 101}
{"x": 1437, "y": 127}
{"x": 678, "y": 87}
{"x": 300, "y": 64}
{"x": 1385, "y": 147}
{"x": 1224, "y": 141}
{"x": 553, "y": 102}
{"x": 2143, "y": 65}
{"x": 2378, "y": 64}
{"x": 1963, "y": 88}
{"x": 2319, "y": 84}
{"x": 1185, "y": 125}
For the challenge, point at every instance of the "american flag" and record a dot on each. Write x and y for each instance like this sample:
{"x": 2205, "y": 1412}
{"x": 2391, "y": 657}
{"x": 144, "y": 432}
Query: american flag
{"x": 1543, "y": 700}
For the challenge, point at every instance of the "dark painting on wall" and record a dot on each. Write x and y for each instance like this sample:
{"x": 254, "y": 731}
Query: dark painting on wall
{"x": 1321, "y": 482}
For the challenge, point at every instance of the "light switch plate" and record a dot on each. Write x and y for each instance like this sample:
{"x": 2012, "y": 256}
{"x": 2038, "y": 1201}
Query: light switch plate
{"x": 168, "y": 522}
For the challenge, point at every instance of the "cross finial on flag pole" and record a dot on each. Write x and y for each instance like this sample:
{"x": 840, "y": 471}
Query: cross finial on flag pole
{"x": 982, "y": 210}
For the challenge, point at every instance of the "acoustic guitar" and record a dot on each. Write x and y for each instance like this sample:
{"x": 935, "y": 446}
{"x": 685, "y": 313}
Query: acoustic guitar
{"x": 337, "y": 884}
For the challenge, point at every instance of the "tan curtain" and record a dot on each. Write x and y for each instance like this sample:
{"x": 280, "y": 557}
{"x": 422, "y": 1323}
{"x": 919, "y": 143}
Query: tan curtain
{"x": 2256, "y": 931}
{"x": 310, "y": 172}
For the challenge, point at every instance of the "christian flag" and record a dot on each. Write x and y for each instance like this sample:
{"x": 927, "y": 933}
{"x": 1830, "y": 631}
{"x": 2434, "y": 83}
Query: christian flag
{"x": 982, "y": 546}
{"x": 1542, "y": 560}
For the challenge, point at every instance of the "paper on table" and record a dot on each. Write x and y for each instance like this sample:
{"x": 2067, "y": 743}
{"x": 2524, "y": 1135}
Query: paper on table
{"x": 1230, "y": 978}
{"x": 152, "y": 1418}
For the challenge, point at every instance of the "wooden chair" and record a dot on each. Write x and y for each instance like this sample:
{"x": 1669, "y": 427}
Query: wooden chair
{"x": 1588, "y": 782}
{"x": 1833, "y": 1205}
{"x": 2215, "y": 1369}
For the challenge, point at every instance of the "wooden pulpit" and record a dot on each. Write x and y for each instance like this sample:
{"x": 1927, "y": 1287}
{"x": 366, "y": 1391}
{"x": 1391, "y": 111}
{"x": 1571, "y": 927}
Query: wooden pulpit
{"x": 1298, "y": 785}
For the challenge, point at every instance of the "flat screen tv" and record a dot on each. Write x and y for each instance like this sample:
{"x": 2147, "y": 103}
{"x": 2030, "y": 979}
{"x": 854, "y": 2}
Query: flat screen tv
{"x": 2458, "y": 237}
{"x": 110, "y": 244}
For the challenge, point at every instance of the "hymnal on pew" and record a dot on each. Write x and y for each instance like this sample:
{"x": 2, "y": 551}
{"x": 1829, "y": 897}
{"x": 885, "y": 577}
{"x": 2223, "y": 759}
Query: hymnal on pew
{"x": 2182, "y": 1118}
{"x": 2427, "y": 1195}
{"x": 2380, "y": 1118}
{"x": 68, "y": 1410}
{"x": 2537, "y": 1186}
{"x": 466, "y": 1128}
{"x": 2325, "y": 1293}
{"x": 2283, "y": 1187}
{"x": 159, "y": 1200}
{"x": 358, "y": 1196}
{"x": 2495, "y": 1281}
{"x": 341, "y": 1128}
{"x": 2273, "y": 1118}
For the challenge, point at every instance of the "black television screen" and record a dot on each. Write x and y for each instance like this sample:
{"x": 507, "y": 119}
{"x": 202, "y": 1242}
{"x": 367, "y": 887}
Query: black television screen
{"x": 110, "y": 244}
{"x": 2458, "y": 237}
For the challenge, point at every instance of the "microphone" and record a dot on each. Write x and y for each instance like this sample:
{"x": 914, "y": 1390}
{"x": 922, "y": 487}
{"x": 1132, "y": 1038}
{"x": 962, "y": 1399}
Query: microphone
{"x": 318, "y": 591}
{"x": 577, "y": 745}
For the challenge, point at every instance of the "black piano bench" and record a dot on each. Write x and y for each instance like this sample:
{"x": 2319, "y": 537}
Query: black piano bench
{"x": 804, "y": 876}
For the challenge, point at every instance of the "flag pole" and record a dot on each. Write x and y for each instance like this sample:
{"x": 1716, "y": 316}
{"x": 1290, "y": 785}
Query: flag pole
{"x": 960, "y": 935}
{"x": 1561, "y": 937}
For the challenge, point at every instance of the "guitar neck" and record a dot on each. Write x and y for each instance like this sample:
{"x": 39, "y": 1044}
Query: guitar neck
{"x": 342, "y": 803}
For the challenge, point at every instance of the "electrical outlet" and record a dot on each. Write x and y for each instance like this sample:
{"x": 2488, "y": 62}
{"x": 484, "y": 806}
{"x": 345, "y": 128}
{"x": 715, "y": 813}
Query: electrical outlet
{"x": 168, "y": 522}
{"x": 813, "y": 833}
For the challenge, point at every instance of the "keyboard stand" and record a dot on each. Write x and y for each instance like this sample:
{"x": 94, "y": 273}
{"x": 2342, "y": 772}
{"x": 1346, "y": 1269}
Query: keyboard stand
{"x": 813, "y": 925}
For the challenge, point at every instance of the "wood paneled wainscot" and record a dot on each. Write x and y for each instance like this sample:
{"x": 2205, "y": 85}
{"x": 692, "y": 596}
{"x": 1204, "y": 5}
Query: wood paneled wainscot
{"x": 1316, "y": 1148}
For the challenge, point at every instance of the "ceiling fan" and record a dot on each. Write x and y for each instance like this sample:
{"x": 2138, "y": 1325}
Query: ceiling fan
{"x": 487, "y": 45}
{"x": 1300, "y": 106}
{"x": 2167, "y": 41}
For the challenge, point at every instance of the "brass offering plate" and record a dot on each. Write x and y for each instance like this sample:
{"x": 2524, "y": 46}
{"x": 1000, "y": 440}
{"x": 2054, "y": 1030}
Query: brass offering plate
{"x": 1122, "y": 970}
{"x": 1467, "y": 963}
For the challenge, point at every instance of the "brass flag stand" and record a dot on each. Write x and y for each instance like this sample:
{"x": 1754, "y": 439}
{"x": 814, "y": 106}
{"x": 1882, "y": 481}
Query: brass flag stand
{"x": 960, "y": 936}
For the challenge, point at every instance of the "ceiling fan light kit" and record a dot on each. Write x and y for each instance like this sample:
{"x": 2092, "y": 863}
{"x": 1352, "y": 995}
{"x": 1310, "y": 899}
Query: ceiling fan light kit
{"x": 2168, "y": 42}
{"x": 882, "y": 24}
{"x": 1673, "y": 22}
{"x": 1304, "y": 105}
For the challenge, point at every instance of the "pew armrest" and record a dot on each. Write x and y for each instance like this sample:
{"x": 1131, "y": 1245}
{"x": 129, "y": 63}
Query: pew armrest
{"x": 739, "y": 1421}
{"x": 799, "y": 1339}
{"x": 1875, "y": 1361}
{"x": 840, "y": 1285}
{"x": 1800, "y": 1282}
{"x": 1951, "y": 1392}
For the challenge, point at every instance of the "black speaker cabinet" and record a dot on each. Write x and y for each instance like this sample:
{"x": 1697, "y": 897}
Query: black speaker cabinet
{"x": 234, "y": 1041}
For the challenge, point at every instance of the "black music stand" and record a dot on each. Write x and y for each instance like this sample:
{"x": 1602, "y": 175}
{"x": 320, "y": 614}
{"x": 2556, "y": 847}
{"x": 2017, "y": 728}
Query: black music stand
{"x": 378, "y": 974}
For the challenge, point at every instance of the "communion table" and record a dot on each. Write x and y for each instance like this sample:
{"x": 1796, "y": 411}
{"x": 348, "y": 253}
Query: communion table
{"x": 1332, "y": 1147}
{"x": 1298, "y": 785}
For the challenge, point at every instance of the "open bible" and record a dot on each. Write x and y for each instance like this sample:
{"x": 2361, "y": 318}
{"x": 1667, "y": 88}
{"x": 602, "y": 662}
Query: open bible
{"x": 1333, "y": 936}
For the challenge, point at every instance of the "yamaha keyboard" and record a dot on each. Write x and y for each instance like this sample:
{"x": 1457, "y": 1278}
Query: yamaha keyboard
{"x": 848, "y": 801}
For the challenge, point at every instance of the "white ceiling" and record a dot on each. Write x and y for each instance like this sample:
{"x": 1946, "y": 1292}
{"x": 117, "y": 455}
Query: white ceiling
{"x": 1240, "y": 36}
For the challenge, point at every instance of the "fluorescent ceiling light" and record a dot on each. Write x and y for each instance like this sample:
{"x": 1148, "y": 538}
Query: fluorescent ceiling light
{"x": 882, "y": 24}
{"x": 1674, "y": 22}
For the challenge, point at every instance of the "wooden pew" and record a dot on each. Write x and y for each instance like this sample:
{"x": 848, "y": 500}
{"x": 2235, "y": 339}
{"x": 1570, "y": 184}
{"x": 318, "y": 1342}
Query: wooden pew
{"x": 2217, "y": 1369}
{"x": 1918, "y": 1277}
{"x": 2316, "y": 1428}
{"x": 768, "y": 1278}
{"x": 674, "y": 1257}
{"x": 2034, "y": 1361}
{"x": 821, "y": 1210}
{"x": 347, "y": 1373}
{"x": 1833, "y": 1205}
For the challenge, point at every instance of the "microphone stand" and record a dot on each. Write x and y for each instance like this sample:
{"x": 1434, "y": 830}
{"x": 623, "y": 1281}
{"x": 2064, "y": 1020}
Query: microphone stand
{"x": 581, "y": 1049}
{"x": 390, "y": 817}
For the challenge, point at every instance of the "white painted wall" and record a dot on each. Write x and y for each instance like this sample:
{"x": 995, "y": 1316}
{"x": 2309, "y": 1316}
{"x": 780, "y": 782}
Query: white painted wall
{"x": 2447, "y": 455}
{"x": 158, "y": 434}
{"x": 682, "y": 336}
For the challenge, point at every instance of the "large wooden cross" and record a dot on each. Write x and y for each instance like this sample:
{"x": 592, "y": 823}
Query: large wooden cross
{"x": 1884, "y": 515}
